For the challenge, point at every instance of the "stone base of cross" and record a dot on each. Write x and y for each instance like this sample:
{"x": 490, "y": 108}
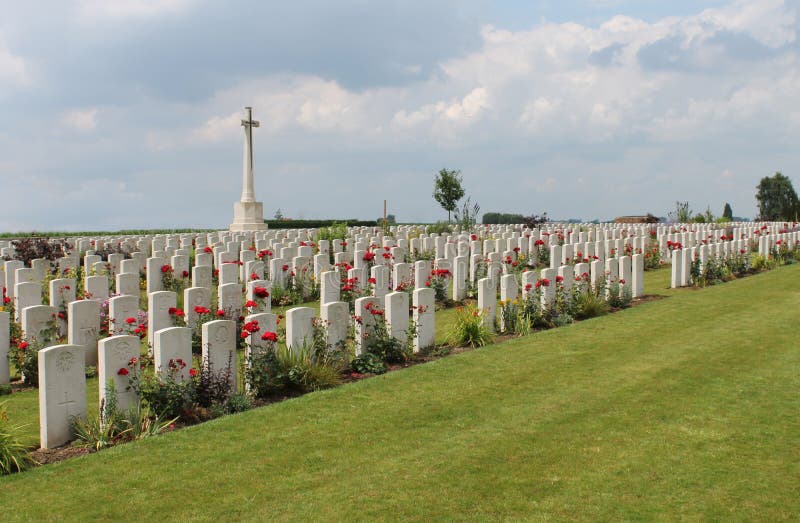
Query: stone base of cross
{"x": 248, "y": 216}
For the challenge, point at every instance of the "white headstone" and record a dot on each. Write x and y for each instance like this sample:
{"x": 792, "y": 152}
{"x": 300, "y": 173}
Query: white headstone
{"x": 424, "y": 318}
{"x": 336, "y": 316}
{"x": 299, "y": 328}
{"x": 114, "y": 357}
{"x": 158, "y": 317}
{"x": 219, "y": 348}
{"x": 62, "y": 393}
{"x": 173, "y": 345}
{"x": 83, "y": 327}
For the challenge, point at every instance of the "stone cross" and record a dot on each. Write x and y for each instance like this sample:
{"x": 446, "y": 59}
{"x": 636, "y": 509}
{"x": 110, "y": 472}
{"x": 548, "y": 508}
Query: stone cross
{"x": 247, "y": 176}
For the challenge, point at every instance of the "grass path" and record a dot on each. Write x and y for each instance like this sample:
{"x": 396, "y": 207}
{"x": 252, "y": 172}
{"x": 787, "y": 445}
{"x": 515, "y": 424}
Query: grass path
{"x": 681, "y": 408}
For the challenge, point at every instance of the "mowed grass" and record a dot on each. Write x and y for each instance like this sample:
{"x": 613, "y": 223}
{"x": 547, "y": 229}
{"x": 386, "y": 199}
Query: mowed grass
{"x": 683, "y": 408}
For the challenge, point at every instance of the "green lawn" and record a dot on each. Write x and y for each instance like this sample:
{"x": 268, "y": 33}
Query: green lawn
{"x": 683, "y": 408}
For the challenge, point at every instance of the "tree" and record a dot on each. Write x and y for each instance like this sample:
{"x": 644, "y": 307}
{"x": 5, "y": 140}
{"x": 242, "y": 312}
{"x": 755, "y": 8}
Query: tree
{"x": 447, "y": 190}
{"x": 777, "y": 199}
{"x": 727, "y": 212}
{"x": 278, "y": 214}
{"x": 682, "y": 213}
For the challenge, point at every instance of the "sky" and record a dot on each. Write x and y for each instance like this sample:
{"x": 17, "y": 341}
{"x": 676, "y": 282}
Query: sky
{"x": 125, "y": 114}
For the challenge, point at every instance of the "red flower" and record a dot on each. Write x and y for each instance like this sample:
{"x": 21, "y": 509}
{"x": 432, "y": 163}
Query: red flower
{"x": 172, "y": 310}
{"x": 253, "y": 276}
{"x": 130, "y": 320}
{"x": 208, "y": 250}
{"x": 428, "y": 283}
{"x": 539, "y": 242}
{"x": 192, "y": 372}
{"x": 371, "y": 280}
{"x": 6, "y": 300}
{"x": 201, "y": 310}
{"x": 23, "y": 345}
{"x": 528, "y": 287}
{"x": 123, "y": 372}
{"x": 269, "y": 336}
{"x": 516, "y": 249}
{"x": 220, "y": 313}
{"x": 559, "y": 279}
{"x": 261, "y": 292}
{"x": 474, "y": 237}
{"x": 622, "y": 281}
{"x": 285, "y": 268}
{"x": 386, "y": 255}
{"x": 166, "y": 268}
{"x": 61, "y": 316}
{"x": 368, "y": 256}
{"x": 251, "y": 303}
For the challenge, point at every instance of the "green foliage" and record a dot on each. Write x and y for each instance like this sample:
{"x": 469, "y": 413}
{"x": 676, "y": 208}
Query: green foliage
{"x": 368, "y": 363}
{"x": 727, "y": 212}
{"x": 314, "y": 224}
{"x": 336, "y": 231}
{"x": 467, "y": 215}
{"x": 447, "y": 190}
{"x": 14, "y": 454}
{"x": 5, "y": 389}
{"x": 503, "y": 218}
{"x": 25, "y": 353}
{"x": 238, "y": 402}
{"x": 470, "y": 328}
{"x": 590, "y": 305}
{"x": 163, "y": 393}
{"x": 682, "y": 213}
{"x": 439, "y": 228}
{"x": 279, "y": 370}
{"x": 777, "y": 199}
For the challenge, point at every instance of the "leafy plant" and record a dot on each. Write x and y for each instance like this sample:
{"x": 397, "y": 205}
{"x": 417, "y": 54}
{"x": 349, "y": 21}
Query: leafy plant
{"x": 280, "y": 369}
{"x": 14, "y": 454}
{"x": 368, "y": 363}
{"x": 447, "y": 190}
{"x": 590, "y": 305}
{"x": 470, "y": 328}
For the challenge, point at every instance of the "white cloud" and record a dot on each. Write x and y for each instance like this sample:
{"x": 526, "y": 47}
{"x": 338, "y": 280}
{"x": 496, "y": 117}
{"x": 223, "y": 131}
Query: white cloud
{"x": 91, "y": 10}
{"x": 80, "y": 119}
{"x": 13, "y": 69}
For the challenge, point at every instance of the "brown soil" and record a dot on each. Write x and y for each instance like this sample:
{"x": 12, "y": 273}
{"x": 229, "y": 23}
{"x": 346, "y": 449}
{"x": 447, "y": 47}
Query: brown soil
{"x": 47, "y": 456}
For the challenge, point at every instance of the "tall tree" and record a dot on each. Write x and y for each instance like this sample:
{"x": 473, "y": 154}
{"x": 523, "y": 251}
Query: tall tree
{"x": 447, "y": 190}
{"x": 777, "y": 199}
{"x": 727, "y": 212}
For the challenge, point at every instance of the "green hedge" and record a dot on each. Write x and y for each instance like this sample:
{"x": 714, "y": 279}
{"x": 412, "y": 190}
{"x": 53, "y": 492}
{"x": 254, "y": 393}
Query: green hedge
{"x": 499, "y": 217}
{"x": 314, "y": 224}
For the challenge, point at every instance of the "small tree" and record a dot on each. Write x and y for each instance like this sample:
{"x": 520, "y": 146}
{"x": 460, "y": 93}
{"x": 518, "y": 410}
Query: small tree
{"x": 682, "y": 213}
{"x": 447, "y": 190}
{"x": 727, "y": 212}
{"x": 467, "y": 215}
{"x": 777, "y": 199}
{"x": 278, "y": 214}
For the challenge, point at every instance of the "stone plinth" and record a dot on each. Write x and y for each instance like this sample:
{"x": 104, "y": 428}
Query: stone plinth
{"x": 248, "y": 216}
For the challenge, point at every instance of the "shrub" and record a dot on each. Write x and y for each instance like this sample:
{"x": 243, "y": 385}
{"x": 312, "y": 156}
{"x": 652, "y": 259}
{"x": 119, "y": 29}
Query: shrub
{"x": 368, "y": 363}
{"x": 470, "y": 328}
{"x": 163, "y": 393}
{"x": 14, "y": 454}
{"x": 590, "y": 305}
{"x": 439, "y": 228}
{"x": 280, "y": 369}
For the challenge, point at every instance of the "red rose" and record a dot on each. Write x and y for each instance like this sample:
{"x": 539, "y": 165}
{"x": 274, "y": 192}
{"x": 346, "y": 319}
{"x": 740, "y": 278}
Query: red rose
{"x": 166, "y": 268}
{"x": 371, "y": 280}
{"x": 130, "y": 320}
{"x": 122, "y": 372}
{"x": 559, "y": 279}
{"x": 269, "y": 336}
{"x": 285, "y": 268}
{"x": 185, "y": 274}
{"x": 192, "y": 372}
{"x": 23, "y": 345}
{"x": 6, "y": 300}
{"x": 208, "y": 250}
{"x": 172, "y": 310}
{"x": 528, "y": 286}
{"x": 220, "y": 313}
{"x": 251, "y": 303}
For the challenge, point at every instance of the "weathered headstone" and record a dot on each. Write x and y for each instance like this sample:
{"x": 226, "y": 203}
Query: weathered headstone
{"x": 172, "y": 351}
{"x": 424, "y": 318}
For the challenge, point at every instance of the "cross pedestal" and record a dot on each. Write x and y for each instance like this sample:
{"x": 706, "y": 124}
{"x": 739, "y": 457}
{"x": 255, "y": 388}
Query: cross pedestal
{"x": 248, "y": 214}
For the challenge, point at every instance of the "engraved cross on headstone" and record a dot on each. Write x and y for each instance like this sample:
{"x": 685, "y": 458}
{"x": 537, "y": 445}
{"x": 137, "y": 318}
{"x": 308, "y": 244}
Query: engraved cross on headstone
{"x": 67, "y": 402}
{"x": 247, "y": 182}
